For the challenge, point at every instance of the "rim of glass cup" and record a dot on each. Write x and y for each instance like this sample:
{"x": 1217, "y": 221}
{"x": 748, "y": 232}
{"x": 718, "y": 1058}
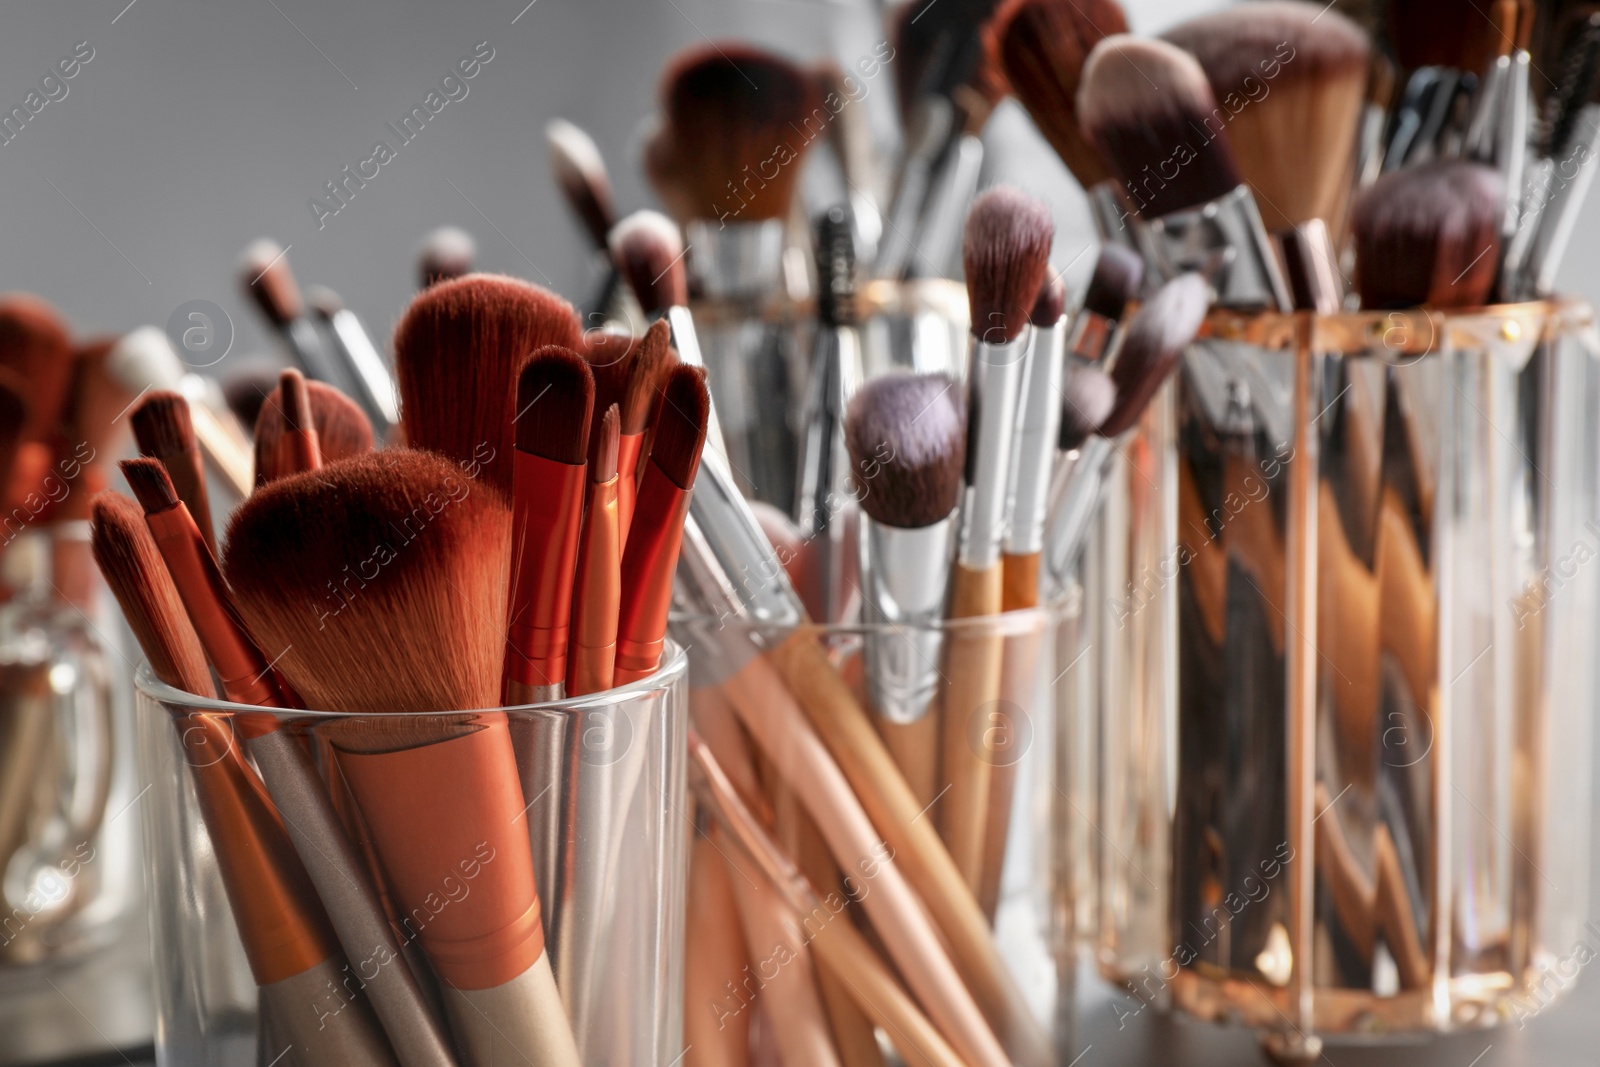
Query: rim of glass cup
{"x": 1005, "y": 624}
{"x": 674, "y": 666}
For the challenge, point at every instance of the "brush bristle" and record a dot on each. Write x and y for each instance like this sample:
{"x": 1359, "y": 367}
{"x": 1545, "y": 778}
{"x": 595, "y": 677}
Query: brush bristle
{"x": 1118, "y": 273}
{"x": 1286, "y": 72}
{"x": 1146, "y": 105}
{"x": 383, "y": 577}
{"x": 938, "y": 50}
{"x": 151, "y": 484}
{"x": 1430, "y": 235}
{"x": 342, "y": 428}
{"x": 610, "y": 354}
{"x": 458, "y": 351}
{"x": 1006, "y": 252}
{"x": 607, "y": 446}
{"x": 133, "y": 568}
{"x": 13, "y": 418}
{"x": 555, "y": 401}
{"x": 1086, "y": 403}
{"x": 264, "y": 272}
{"x": 906, "y": 436}
{"x": 680, "y": 425}
{"x": 581, "y": 175}
{"x": 1442, "y": 33}
{"x": 161, "y": 425}
{"x": 35, "y": 346}
{"x": 737, "y": 115}
{"x": 652, "y": 357}
{"x": 648, "y": 251}
{"x": 1051, "y": 303}
{"x": 1041, "y": 45}
{"x": 1154, "y": 342}
{"x": 295, "y": 401}
{"x": 445, "y": 253}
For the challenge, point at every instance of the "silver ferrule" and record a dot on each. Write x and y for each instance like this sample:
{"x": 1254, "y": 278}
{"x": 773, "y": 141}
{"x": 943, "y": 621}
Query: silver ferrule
{"x": 1038, "y": 427}
{"x": 904, "y": 575}
{"x": 937, "y": 238}
{"x": 994, "y": 378}
{"x": 1074, "y": 499}
{"x": 1115, "y": 221}
{"x": 687, "y": 342}
{"x": 374, "y": 384}
{"x": 1511, "y": 150}
{"x": 1569, "y": 183}
{"x": 736, "y": 259}
{"x": 1226, "y": 243}
{"x": 826, "y": 503}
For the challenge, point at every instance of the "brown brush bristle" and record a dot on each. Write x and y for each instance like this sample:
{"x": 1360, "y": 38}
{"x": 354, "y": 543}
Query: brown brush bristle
{"x": 1286, "y": 72}
{"x": 1117, "y": 274}
{"x": 555, "y": 401}
{"x": 446, "y": 253}
{"x": 161, "y": 425}
{"x": 906, "y": 436}
{"x": 264, "y": 272}
{"x": 151, "y": 484}
{"x": 1429, "y": 234}
{"x": 1051, "y": 303}
{"x": 603, "y": 455}
{"x": 246, "y": 390}
{"x": 1041, "y": 45}
{"x": 458, "y": 351}
{"x": 938, "y": 50}
{"x": 1153, "y": 344}
{"x": 610, "y": 355}
{"x": 1442, "y": 33}
{"x": 580, "y": 173}
{"x": 34, "y": 345}
{"x": 342, "y": 428}
{"x": 1086, "y": 402}
{"x": 13, "y": 417}
{"x": 738, "y": 117}
{"x": 138, "y": 577}
{"x": 664, "y": 166}
{"x": 680, "y": 425}
{"x": 1146, "y": 105}
{"x": 652, "y": 357}
{"x": 383, "y": 576}
{"x": 648, "y": 251}
{"x": 1006, "y": 252}
{"x": 295, "y": 401}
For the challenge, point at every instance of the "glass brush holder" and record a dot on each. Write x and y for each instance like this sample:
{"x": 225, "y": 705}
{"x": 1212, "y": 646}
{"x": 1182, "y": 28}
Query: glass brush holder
{"x": 596, "y": 830}
{"x": 1344, "y": 594}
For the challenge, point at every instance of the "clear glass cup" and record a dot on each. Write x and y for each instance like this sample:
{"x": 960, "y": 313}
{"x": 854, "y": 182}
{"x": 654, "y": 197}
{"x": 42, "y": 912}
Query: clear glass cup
{"x": 1345, "y": 609}
{"x": 599, "y": 782}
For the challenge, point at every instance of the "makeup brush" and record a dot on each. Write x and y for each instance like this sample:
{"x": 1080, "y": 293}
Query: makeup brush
{"x": 555, "y": 401}
{"x": 287, "y": 941}
{"x": 906, "y": 440}
{"x": 1285, "y": 72}
{"x": 580, "y": 174}
{"x": 265, "y": 276}
{"x": 445, "y": 254}
{"x": 597, "y": 589}
{"x": 1429, "y": 235}
{"x": 1147, "y": 106}
{"x": 1114, "y": 283}
{"x": 370, "y": 374}
{"x": 1006, "y": 256}
{"x": 650, "y": 556}
{"x": 35, "y": 346}
{"x": 458, "y": 350}
{"x": 13, "y": 417}
{"x": 1086, "y": 403}
{"x": 164, "y": 431}
{"x": 437, "y": 792}
{"x": 298, "y": 448}
{"x": 1038, "y": 428}
{"x": 653, "y": 358}
{"x": 340, "y": 426}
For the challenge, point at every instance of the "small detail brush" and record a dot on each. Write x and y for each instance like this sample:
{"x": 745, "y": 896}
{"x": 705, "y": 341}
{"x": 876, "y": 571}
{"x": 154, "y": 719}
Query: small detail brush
{"x": 265, "y": 276}
{"x": 597, "y": 590}
{"x": 1038, "y": 427}
{"x": 370, "y": 374}
{"x": 580, "y": 174}
{"x": 340, "y": 426}
{"x": 652, "y": 359}
{"x": 164, "y": 431}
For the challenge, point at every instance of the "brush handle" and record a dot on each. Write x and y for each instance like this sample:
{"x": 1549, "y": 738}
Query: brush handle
{"x": 1019, "y": 582}
{"x": 714, "y": 1028}
{"x": 972, "y": 672}
{"x": 188, "y": 473}
{"x": 1018, "y": 667}
{"x": 309, "y": 1014}
{"x": 591, "y": 661}
{"x": 1395, "y": 916}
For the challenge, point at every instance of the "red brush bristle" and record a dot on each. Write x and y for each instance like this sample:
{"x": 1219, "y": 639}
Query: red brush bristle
{"x": 295, "y": 400}
{"x": 555, "y": 401}
{"x": 342, "y": 428}
{"x": 651, "y": 361}
{"x": 648, "y": 251}
{"x": 151, "y": 484}
{"x": 161, "y": 425}
{"x": 264, "y": 272}
{"x": 680, "y": 425}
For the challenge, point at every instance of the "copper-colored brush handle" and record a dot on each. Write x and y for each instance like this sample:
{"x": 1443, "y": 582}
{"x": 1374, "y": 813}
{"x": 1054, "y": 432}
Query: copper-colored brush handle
{"x": 972, "y": 685}
{"x": 716, "y": 1032}
{"x": 630, "y": 448}
{"x": 591, "y": 660}
{"x": 649, "y": 562}
{"x": 548, "y": 507}
{"x": 1019, "y": 587}
{"x": 188, "y": 473}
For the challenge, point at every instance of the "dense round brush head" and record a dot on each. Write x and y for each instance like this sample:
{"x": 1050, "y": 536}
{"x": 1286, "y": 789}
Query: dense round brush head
{"x": 1086, "y": 403}
{"x": 1005, "y": 252}
{"x": 1152, "y": 345}
{"x": 1147, "y": 106}
{"x": 1041, "y": 45}
{"x": 264, "y": 272}
{"x": 378, "y": 583}
{"x": 648, "y": 251}
{"x": 580, "y": 173}
{"x": 162, "y": 426}
{"x": 342, "y": 427}
{"x": 738, "y": 118}
{"x": 906, "y": 436}
{"x": 555, "y": 401}
{"x": 1429, "y": 235}
{"x": 458, "y": 350}
{"x": 653, "y": 357}
{"x": 680, "y": 425}
{"x": 1285, "y": 73}
{"x": 445, "y": 253}
{"x": 1051, "y": 302}
{"x": 34, "y": 346}
{"x": 1118, "y": 272}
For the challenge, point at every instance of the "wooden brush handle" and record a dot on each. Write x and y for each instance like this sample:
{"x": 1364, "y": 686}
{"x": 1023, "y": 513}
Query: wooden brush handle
{"x": 714, "y": 955}
{"x": 915, "y": 749}
{"x": 1019, "y": 665}
{"x": 1396, "y": 917}
{"x": 972, "y": 664}
{"x": 1019, "y": 587}
{"x": 1348, "y": 885}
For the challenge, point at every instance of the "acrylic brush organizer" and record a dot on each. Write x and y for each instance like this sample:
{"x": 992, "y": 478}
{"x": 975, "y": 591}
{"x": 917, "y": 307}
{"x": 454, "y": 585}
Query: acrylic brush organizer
{"x": 601, "y": 837}
{"x": 1344, "y": 590}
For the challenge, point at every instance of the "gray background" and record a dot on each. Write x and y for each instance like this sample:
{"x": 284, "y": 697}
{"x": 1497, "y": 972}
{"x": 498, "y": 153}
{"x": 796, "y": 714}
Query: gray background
{"x": 200, "y": 126}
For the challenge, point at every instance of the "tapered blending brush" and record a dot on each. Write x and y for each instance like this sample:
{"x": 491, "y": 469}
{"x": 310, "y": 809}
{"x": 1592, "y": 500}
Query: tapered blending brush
{"x": 1038, "y": 428}
{"x": 265, "y": 276}
{"x": 458, "y": 350}
{"x": 426, "y": 635}
{"x": 597, "y": 589}
{"x": 652, "y": 360}
{"x": 555, "y": 401}
{"x": 1006, "y": 256}
{"x": 1113, "y": 285}
{"x": 650, "y": 556}
{"x": 369, "y": 372}
{"x": 906, "y": 439}
{"x": 1147, "y": 106}
{"x": 1429, "y": 235}
{"x": 340, "y": 427}
{"x": 445, "y": 254}
{"x": 164, "y": 431}
{"x": 1285, "y": 72}
{"x": 287, "y": 941}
